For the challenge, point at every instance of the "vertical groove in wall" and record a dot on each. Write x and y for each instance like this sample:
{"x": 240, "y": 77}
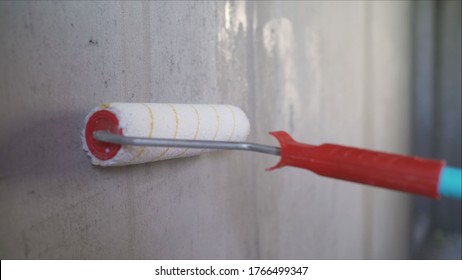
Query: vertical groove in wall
{"x": 147, "y": 46}
{"x": 123, "y": 39}
{"x": 251, "y": 104}
{"x": 435, "y": 130}
{"x": 422, "y": 109}
{"x": 435, "y": 144}
{"x": 368, "y": 125}
{"x": 423, "y": 85}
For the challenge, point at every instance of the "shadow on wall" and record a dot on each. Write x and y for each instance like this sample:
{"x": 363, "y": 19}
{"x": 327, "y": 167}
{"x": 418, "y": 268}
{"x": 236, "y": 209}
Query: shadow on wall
{"x": 437, "y": 119}
{"x": 43, "y": 147}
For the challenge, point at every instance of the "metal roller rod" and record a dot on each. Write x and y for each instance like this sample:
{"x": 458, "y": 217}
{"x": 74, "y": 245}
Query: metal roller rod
{"x": 104, "y": 136}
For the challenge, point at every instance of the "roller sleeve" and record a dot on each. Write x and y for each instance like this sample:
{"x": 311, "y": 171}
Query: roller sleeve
{"x": 157, "y": 120}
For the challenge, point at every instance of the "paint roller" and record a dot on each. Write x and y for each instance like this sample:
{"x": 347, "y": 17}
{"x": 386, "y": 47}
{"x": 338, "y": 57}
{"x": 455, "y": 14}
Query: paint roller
{"x": 176, "y": 121}
{"x": 132, "y": 133}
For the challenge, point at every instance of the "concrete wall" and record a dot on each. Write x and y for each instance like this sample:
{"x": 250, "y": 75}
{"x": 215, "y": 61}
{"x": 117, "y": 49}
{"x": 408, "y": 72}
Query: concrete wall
{"x": 323, "y": 71}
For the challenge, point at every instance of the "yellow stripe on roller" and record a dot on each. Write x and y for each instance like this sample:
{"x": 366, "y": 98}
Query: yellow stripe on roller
{"x": 234, "y": 123}
{"x": 198, "y": 122}
{"x": 105, "y": 106}
{"x": 218, "y": 122}
{"x": 174, "y": 135}
{"x": 195, "y": 133}
{"x": 151, "y": 130}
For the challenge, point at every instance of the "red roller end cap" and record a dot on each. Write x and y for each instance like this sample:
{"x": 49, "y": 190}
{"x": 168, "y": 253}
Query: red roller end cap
{"x": 106, "y": 121}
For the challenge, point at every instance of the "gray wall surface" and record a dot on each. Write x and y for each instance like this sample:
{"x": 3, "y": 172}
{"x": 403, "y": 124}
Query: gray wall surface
{"x": 336, "y": 72}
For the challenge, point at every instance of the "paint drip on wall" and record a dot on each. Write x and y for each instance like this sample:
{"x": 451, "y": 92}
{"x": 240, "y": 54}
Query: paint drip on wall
{"x": 312, "y": 74}
{"x": 279, "y": 43}
{"x": 234, "y": 22}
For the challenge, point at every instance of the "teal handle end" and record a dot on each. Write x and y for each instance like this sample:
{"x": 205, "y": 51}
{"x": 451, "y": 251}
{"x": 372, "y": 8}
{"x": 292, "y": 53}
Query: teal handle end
{"x": 450, "y": 184}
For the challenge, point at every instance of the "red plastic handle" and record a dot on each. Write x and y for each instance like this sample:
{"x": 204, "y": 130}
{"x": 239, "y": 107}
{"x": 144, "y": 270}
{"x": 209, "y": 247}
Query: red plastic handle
{"x": 397, "y": 172}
